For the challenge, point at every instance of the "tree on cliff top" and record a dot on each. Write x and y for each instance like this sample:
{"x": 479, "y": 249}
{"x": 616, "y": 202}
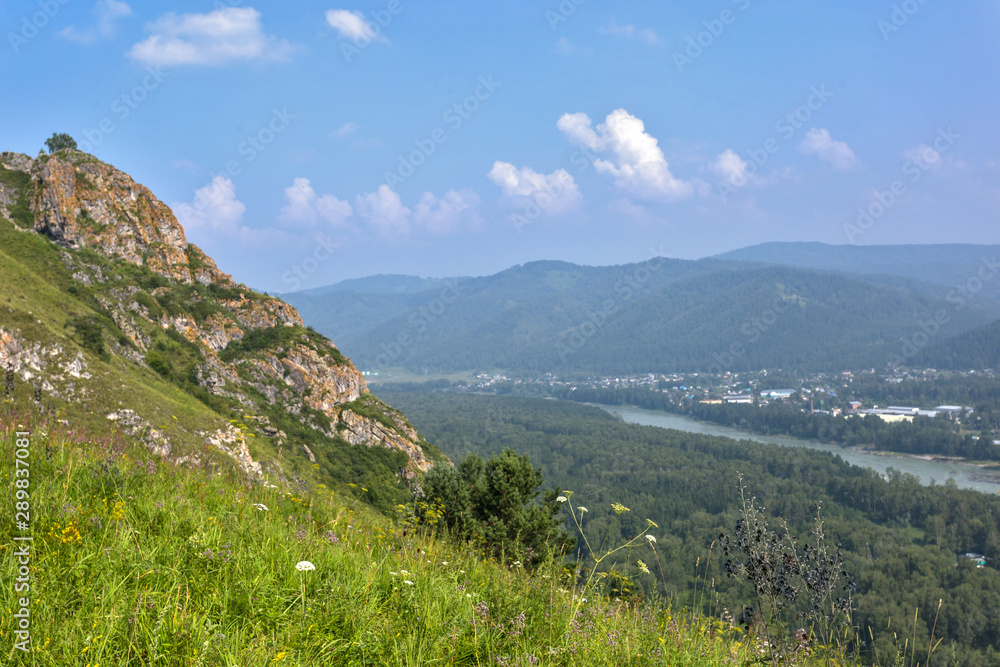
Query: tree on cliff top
{"x": 59, "y": 141}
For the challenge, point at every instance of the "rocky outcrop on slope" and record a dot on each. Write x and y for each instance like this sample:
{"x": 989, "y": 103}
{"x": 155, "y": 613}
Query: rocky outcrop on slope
{"x": 77, "y": 201}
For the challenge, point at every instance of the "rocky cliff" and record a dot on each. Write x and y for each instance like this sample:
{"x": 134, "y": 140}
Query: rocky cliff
{"x": 235, "y": 349}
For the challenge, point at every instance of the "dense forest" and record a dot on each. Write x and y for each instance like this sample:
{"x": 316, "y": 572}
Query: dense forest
{"x": 903, "y": 541}
{"x": 976, "y": 349}
{"x": 940, "y": 437}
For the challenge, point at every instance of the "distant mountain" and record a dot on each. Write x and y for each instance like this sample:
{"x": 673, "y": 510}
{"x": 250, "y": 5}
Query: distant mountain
{"x": 351, "y": 315}
{"x": 661, "y": 315}
{"x": 381, "y": 284}
{"x": 976, "y": 349}
{"x": 951, "y": 265}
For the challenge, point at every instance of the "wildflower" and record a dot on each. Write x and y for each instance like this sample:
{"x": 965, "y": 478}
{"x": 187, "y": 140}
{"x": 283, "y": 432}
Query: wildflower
{"x": 582, "y": 509}
{"x": 407, "y": 582}
{"x": 561, "y": 499}
{"x": 403, "y": 572}
{"x": 650, "y": 538}
{"x": 261, "y": 507}
{"x": 643, "y": 568}
{"x": 619, "y": 508}
{"x": 652, "y": 523}
{"x": 304, "y": 566}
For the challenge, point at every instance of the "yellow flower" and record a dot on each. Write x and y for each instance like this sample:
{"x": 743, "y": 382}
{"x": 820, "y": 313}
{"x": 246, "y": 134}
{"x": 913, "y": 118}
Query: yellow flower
{"x": 619, "y": 508}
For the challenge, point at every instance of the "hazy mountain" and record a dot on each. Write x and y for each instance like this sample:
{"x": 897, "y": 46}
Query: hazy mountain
{"x": 381, "y": 284}
{"x": 954, "y": 265}
{"x": 663, "y": 314}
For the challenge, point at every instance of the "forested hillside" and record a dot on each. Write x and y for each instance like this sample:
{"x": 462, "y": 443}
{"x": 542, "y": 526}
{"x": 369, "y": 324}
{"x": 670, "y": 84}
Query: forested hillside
{"x": 903, "y": 541}
{"x": 659, "y": 315}
{"x": 976, "y": 349}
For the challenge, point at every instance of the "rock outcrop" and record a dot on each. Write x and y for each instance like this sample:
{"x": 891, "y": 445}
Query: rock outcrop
{"x": 78, "y": 201}
{"x": 359, "y": 430}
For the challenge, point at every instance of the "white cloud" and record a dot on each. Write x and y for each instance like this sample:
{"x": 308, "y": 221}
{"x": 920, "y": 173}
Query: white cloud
{"x": 554, "y": 193}
{"x": 108, "y": 13}
{"x": 305, "y": 208}
{"x": 385, "y": 212}
{"x": 215, "y": 213}
{"x": 577, "y": 127}
{"x": 216, "y": 38}
{"x": 353, "y": 25}
{"x": 345, "y": 130}
{"x": 637, "y": 163}
{"x": 837, "y": 153}
{"x": 629, "y": 31}
{"x": 215, "y": 209}
{"x": 733, "y": 169}
{"x": 449, "y": 214}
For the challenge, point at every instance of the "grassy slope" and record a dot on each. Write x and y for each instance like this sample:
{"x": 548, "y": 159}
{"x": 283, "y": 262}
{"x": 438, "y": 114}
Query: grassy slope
{"x": 136, "y": 562}
{"x": 34, "y": 294}
{"x": 38, "y": 297}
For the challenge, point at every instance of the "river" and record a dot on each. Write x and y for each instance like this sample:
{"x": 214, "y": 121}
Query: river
{"x": 966, "y": 476}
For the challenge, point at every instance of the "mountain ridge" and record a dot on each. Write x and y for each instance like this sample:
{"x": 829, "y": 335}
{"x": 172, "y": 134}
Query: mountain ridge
{"x": 105, "y": 293}
{"x": 644, "y": 317}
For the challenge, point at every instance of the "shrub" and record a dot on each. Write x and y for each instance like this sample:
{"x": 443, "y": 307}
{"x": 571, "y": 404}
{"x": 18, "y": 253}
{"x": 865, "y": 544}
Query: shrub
{"x": 90, "y": 335}
{"x": 493, "y": 505}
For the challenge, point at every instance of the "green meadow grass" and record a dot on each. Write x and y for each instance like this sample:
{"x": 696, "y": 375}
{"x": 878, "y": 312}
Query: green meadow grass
{"x": 138, "y": 562}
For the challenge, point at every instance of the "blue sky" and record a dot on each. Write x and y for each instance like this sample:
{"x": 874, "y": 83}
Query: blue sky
{"x": 301, "y": 144}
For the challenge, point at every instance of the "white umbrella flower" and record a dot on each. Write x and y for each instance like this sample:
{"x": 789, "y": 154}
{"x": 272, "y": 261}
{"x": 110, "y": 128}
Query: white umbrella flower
{"x": 304, "y": 566}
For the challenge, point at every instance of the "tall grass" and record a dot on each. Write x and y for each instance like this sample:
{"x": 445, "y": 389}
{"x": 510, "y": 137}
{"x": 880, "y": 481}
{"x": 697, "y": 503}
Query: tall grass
{"x": 139, "y": 562}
